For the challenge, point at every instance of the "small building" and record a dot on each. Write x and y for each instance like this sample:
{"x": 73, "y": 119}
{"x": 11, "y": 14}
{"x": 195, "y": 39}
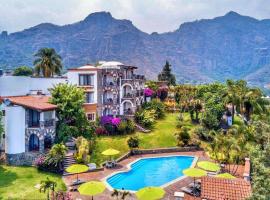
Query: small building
{"x": 29, "y": 127}
{"x": 213, "y": 188}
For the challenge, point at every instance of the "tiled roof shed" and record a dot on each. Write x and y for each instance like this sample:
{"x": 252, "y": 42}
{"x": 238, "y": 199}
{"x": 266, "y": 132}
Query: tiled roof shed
{"x": 37, "y": 102}
{"x": 213, "y": 188}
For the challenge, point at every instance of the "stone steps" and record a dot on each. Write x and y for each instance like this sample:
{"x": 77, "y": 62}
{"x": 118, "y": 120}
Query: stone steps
{"x": 141, "y": 129}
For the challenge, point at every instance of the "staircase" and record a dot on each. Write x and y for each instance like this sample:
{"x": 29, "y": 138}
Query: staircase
{"x": 141, "y": 129}
{"x": 69, "y": 158}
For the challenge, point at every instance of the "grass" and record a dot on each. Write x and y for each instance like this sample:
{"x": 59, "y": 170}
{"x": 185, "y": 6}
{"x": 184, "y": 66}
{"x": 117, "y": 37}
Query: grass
{"x": 19, "y": 182}
{"x": 162, "y": 135}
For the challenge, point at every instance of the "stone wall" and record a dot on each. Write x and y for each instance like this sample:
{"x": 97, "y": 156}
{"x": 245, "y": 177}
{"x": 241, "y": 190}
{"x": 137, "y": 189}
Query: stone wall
{"x": 21, "y": 158}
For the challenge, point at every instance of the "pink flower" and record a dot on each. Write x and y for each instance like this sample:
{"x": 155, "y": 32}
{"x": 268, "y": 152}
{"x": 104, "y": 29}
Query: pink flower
{"x": 116, "y": 121}
{"x": 148, "y": 92}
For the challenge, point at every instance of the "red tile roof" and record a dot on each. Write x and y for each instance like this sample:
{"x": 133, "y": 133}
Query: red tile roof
{"x": 38, "y": 102}
{"x": 213, "y": 188}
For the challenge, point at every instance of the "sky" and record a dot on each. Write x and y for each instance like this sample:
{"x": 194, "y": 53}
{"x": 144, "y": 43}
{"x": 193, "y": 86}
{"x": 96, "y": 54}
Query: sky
{"x": 147, "y": 15}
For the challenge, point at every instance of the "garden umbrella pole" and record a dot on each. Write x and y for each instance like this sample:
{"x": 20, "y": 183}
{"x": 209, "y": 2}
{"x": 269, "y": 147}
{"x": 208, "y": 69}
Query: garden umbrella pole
{"x": 76, "y": 169}
{"x": 194, "y": 173}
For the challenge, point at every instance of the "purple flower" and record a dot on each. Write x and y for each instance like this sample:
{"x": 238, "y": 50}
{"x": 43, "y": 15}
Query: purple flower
{"x": 106, "y": 120}
{"x": 148, "y": 92}
{"x": 116, "y": 121}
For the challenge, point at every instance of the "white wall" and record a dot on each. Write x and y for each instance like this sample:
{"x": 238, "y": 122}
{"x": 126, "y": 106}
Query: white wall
{"x": 14, "y": 129}
{"x": 22, "y": 85}
{"x": 73, "y": 78}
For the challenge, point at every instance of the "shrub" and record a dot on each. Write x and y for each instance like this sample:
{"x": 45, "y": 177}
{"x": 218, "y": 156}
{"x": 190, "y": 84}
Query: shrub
{"x": 183, "y": 137}
{"x": 122, "y": 127}
{"x": 101, "y": 131}
{"x": 82, "y": 150}
{"x": 56, "y": 155}
{"x": 23, "y": 71}
{"x": 133, "y": 142}
{"x": 130, "y": 126}
{"x": 157, "y": 106}
{"x": 145, "y": 117}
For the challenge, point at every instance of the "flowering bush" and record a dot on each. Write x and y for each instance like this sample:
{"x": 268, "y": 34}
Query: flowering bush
{"x": 106, "y": 120}
{"x": 110, "y": 120}
{"x": 162, "y": 93}
{"x": 116, "y": 121}
{"x": 148, "y": 92}
{"x": 40, "y": 161}
{"x": 101, "y": 131}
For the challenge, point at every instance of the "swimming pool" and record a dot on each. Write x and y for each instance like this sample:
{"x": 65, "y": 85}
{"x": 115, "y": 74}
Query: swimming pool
{"x": 156, "y": 171}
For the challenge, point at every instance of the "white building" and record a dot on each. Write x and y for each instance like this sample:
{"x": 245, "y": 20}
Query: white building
{"x": 29, "y": 120}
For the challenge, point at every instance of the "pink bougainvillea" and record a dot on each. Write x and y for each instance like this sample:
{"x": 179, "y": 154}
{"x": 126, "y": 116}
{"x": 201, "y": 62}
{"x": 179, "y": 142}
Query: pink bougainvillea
{"x": 148, "y": 92}
{"x": 116, "y": 121}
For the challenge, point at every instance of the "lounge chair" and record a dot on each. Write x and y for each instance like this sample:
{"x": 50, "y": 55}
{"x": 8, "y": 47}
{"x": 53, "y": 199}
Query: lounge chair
{"x": 109, "y": 164}
{"x": 179, "y": 195}
{"x": 187, "y": 190}
{"x": 92, "y": 166}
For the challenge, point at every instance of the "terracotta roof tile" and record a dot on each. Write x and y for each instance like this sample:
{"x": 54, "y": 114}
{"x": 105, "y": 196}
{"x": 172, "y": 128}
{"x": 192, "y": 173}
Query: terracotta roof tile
{"x": 37, "y": 102}
{"x": 224, "y": 189}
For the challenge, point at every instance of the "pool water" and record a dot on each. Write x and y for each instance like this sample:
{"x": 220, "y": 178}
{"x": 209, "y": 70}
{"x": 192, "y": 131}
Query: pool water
{"x": 150, "y": 172}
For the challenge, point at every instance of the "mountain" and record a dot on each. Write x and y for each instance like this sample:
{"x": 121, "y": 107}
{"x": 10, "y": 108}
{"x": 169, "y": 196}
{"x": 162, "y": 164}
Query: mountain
{"x": 230, "y": 46}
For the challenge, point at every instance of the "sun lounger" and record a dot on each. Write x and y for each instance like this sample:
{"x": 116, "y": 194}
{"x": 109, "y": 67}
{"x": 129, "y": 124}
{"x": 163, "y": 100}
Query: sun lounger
{"x": 77, "y": 182}
{"x": 179, "y": 195}
{"x": 187, "y": 190}
{"x": 92, "y": 166}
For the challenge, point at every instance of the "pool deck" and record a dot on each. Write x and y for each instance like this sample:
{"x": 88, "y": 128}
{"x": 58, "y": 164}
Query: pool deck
{"x": 100, "y": 175}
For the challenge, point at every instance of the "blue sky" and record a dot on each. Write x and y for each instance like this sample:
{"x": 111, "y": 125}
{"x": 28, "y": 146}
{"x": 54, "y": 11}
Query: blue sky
{"x": 147, "y": 15}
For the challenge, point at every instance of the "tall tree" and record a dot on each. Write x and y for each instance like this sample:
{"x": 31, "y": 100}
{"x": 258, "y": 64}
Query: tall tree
{"x": 1, "y": 125}
{"x": 72, "y": 119}
{"x": 166, "y": 74}
{"x": 23, "y": 71}
{"x": 47, "y": 62}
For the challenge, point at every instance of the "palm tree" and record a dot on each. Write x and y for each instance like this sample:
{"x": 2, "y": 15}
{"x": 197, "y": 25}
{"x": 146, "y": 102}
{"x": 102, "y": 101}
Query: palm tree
{"x": 231, "y": 96}
{"x": 120, "y": 194}
{"x": 47, "y": 62}
{"x": 47, "y": 185}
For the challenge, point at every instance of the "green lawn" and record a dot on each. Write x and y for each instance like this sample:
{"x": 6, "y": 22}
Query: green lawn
{"x": 161, "y": 136}
{"x": 19, "y": 182}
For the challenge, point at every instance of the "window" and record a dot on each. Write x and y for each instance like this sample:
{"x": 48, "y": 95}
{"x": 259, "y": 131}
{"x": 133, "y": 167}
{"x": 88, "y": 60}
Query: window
{"x": 91, "y": 116}
{"x": 34, "y": 117}
{"x": 86, "y": 79}
{"x": 89, "y": 97}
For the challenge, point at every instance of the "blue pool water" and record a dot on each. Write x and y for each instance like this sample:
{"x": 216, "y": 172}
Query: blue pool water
{"x": 151, "y": 172}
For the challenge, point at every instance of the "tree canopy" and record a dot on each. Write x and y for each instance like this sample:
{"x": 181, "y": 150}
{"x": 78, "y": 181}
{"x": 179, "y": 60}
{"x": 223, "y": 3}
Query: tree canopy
{"x": 47, "y": 62}
{"x": 23, "y": 71}
{"x": 72, "y": 119}
{"x": 167, "y": 75}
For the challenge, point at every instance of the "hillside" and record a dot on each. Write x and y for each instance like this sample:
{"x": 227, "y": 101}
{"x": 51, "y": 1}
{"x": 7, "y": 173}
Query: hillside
{"x": 230, "y": 46}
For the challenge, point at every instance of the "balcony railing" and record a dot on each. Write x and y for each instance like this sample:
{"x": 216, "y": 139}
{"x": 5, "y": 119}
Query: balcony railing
{"x": 49, "y": 122}
{"x": 128, "y": 95}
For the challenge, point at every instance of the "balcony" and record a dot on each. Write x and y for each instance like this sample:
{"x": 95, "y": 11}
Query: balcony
{"x": 128, "y": 96}
{"x": 49, "y": 122}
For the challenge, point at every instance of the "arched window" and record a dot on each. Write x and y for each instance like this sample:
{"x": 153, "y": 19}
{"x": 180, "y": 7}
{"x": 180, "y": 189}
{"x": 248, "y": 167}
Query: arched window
{"x": 33, "y": 143}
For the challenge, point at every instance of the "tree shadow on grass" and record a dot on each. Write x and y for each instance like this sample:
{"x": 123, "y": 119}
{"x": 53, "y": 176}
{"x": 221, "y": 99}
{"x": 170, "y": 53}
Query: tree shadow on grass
{"x": 6, "y": 177}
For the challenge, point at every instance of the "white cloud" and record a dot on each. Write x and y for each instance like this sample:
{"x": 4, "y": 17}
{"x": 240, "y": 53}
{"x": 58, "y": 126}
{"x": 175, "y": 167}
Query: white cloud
{"x": 148, "y": 15}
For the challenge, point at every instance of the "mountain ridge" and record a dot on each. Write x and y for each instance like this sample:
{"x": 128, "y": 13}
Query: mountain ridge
{"x": 229, "y": 46}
